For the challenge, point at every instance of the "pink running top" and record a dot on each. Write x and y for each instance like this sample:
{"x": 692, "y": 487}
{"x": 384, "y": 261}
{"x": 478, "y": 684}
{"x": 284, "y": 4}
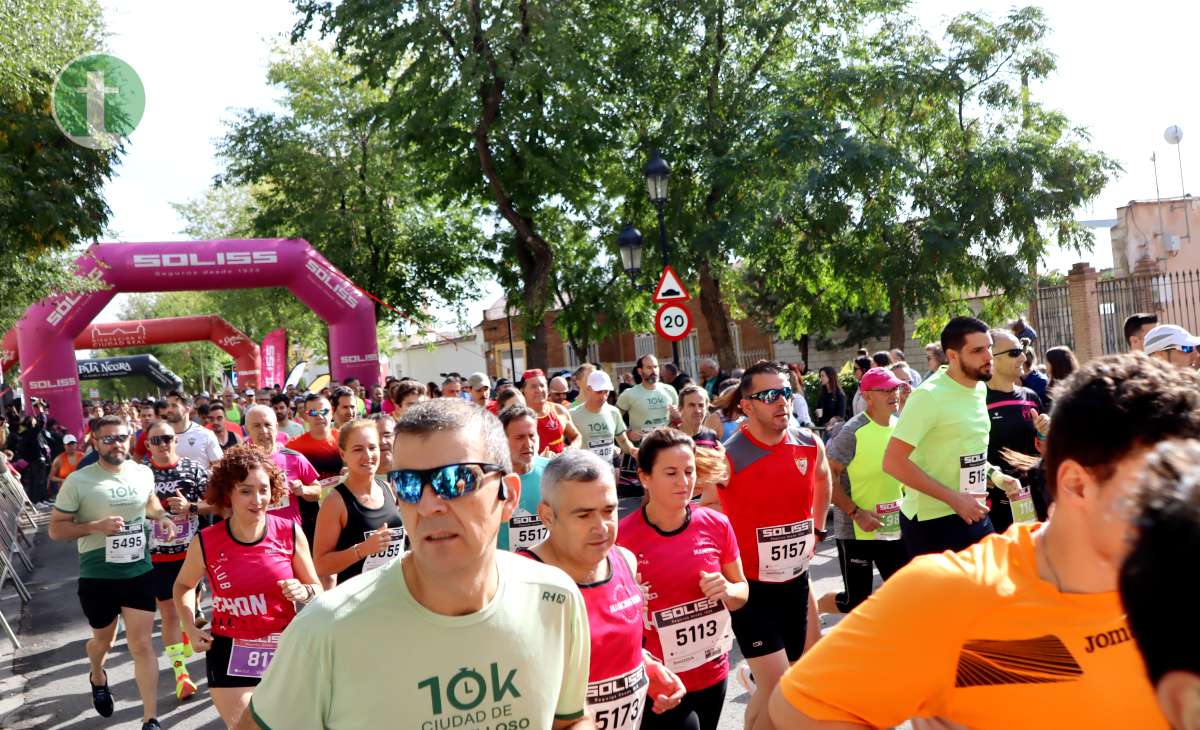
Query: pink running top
{"x": 247, "y": 600}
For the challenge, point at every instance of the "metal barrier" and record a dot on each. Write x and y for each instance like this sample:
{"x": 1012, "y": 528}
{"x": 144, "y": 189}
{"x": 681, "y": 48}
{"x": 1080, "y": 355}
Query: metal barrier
{"x": 1053, "y": 321}
{"x": 15, "y": 509}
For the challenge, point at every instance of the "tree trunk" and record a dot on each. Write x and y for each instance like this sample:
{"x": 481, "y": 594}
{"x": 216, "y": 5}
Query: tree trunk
{"x": 896, "y": 315}
{"x": 804, "y": 349}
{"x": 716, "y": 316}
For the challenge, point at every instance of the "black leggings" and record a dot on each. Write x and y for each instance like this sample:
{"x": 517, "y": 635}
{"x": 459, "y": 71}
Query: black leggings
{"x": 857, "y": 559}
{"x": 699, "y": 710}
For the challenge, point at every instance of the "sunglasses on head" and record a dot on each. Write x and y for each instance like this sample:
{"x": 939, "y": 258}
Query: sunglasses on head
{"x": 314, "y": 412}
{"x": 1014, "y": 353}
{"x": 448, "y": 482}
{"x": 770, "y": 395}
{"x": 161, "y": 439}
{"x": 114, "y": 438}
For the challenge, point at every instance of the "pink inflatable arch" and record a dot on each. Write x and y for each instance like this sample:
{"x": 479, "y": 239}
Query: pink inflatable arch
{"x": 46, "y": 333}
{"x": 161, "y": 331}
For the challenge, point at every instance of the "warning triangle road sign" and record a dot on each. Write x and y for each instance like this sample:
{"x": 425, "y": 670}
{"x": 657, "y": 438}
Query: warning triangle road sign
{"x": 670, "y": 288}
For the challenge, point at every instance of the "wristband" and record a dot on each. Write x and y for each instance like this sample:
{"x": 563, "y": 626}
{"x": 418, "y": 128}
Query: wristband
{"x": 856, "y": 511}
{"x": 355, "y": 549}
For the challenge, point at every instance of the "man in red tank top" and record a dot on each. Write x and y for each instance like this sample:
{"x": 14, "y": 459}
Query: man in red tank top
{"x": 556, "y": 431}
{"x": 579, "y": 501}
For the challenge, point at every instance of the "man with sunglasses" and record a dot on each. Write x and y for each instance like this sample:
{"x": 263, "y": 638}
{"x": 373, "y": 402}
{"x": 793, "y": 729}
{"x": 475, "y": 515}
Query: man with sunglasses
{"x": 777, "y": 498}
{"x": 453, "y": 634}
{"x": 191, "y": 439}
{"x": 1174, "y": 344}
{"x": 939, "y": 448}
{"x": 319, "y": 444}
{"x": 1017, "y": 425}
{"x": 179, "y": 484}
{"x": 105, "y": 508}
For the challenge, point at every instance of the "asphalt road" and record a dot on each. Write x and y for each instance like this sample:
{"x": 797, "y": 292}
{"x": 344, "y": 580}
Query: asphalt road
{"x": 43, "y": 685}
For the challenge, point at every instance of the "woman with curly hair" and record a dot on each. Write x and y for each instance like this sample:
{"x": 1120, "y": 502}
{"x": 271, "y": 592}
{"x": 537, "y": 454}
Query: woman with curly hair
{"x": 258, "y": 567}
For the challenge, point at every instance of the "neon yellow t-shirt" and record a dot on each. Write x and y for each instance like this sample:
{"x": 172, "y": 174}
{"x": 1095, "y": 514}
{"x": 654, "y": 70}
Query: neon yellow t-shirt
{"x": 369, "y": 654}
{"x": 947, "y": 425}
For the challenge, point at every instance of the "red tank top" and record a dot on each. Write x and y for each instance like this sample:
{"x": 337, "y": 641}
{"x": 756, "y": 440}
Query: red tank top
{"x": 550, "y": 432}
{"x": 769, "y": 500}
{"x": 247, "y": 601}
{"x": 617, "y": 681}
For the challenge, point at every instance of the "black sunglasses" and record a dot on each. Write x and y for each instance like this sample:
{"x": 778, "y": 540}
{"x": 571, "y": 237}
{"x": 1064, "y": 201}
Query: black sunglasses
{"x": 114, "y": 438}
{"x": 448, "y": 482}
{"x": 161, "y": 439}
{"x": 1014, "y": 353}
{"x": 770, "y": 395}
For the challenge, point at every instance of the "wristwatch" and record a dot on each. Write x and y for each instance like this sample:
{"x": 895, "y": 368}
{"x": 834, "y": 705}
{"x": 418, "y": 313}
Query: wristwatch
{"x": 193, "y": 509}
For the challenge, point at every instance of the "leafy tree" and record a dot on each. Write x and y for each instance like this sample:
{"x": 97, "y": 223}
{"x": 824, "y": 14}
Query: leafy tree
{"x": 51, "y": 190}
{"x": 932, "y": 175}
{"x": 330, "y": 170}
{"x": 500, "y": 105}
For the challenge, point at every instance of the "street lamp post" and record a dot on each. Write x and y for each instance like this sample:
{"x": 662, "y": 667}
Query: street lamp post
{"x": 657, "y": 171}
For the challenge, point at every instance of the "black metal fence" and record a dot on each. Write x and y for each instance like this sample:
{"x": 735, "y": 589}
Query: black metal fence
{"x": 1053, "y": 319}
{"x": 1173, "y": 296}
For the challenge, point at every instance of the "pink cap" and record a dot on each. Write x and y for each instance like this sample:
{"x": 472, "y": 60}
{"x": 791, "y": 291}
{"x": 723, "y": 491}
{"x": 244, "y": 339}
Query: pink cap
{"x": 879, "y": 379}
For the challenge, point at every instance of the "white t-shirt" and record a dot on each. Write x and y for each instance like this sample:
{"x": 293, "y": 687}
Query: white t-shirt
{"x": 368, "y": 654}
{"x": 648, "y": 408}
{"x": 198, "y": 444}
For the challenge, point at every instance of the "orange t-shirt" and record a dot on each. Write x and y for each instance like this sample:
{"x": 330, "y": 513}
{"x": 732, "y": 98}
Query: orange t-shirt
{"x": 978, "y": 639}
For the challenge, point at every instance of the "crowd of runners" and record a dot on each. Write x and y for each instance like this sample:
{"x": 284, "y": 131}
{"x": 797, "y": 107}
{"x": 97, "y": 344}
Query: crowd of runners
{"x": 452, "y": 555}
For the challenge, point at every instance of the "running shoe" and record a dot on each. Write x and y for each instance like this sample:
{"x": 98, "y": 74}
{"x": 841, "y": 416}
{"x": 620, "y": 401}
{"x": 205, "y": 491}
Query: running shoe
{"x": 151, "y": 724}
{"x": 745, "y": 677}
{"x": 184, "y": 686}
{"x": 102, "y": 698}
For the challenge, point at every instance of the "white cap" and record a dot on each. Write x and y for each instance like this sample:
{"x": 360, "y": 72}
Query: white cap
{"x": 249, "y": 393}
{"x": 599, "y": 381}
{"x": 69, "y": 439}
{"x": 1167, "y": 337}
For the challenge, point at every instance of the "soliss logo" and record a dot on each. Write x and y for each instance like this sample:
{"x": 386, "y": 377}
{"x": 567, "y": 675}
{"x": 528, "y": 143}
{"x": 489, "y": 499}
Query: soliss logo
{"x": 341, "y": 288}
{"x": 50, "y": 384}
{"x": 351, "y": 359}
{"x": 67, "y": 302}
{"x": 174, "y": 260}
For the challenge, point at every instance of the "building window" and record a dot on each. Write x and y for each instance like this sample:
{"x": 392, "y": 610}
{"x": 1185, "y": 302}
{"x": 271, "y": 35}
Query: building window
{"x": 572, "y": 362}
{"x": 643, "y": 344}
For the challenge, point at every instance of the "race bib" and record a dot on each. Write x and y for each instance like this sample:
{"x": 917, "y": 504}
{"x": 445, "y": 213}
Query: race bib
{"x": 889, "y": 528}
{"x": 251, "y": 657}
{"x": 185, "y": 527}
{"x": 601, "y": 447}
{"x": 617, "y": 703}
{"x": 785, "y": 550}
{"x": 394, "y": 549}
{"x": 525, "y": 531}
{"x": 693, "y": 633}
{"x": 1022, "y": 507}
{"x": 972, "y": 474}
{"x": 127, "y": 546}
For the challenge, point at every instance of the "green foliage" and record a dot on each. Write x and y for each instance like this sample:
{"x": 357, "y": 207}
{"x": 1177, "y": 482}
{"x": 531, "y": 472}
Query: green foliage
{"x": 329, "y": 169}
{"x": 930, "y": 173}
{"x": 51, "y": 190}
{"x": 860, "y": 327}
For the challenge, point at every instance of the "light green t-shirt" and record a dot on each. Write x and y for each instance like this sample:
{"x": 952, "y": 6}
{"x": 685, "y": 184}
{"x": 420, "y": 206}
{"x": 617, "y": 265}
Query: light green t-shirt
{"x": 648, "y": 409}
{"x": 367, "y": 654}
{"x": 90, "y": 494}
{"x": 599, "y": 430}
{"x": 948, "y": 426}
{"x": 525, "y": 528}
{"x": 291, "y": 428}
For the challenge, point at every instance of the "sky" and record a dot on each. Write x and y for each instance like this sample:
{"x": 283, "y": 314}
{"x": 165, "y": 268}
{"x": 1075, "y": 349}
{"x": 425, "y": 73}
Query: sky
{"x": 1121, "y": 74}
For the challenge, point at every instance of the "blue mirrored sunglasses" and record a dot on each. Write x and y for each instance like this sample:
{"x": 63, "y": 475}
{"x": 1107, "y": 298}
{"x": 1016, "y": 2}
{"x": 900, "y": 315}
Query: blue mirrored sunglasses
{"x": 770, "y": 395}
{"x": 448, "y": 482}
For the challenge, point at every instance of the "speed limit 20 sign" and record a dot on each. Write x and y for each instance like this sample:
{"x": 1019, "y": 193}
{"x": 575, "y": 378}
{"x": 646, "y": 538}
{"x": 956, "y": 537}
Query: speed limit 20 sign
{"x": 673, "y": 322}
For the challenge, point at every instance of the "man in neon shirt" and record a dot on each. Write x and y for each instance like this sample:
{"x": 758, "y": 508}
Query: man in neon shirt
{"x": 1025, "y": 629}
{"x": 939, "y": 448}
